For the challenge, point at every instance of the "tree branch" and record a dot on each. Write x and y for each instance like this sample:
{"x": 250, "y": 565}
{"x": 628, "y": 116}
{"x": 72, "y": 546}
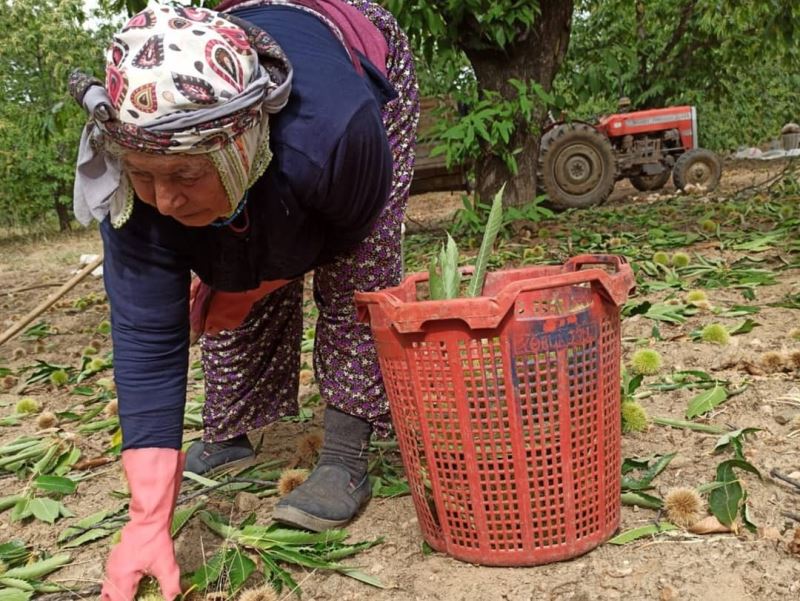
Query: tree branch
{"x": 680, "y": 30}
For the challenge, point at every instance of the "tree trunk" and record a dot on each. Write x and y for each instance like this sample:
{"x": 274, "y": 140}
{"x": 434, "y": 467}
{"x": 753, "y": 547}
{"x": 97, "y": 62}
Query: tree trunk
{"x": 62, "y": 211}
{"x": 536, "y": 55}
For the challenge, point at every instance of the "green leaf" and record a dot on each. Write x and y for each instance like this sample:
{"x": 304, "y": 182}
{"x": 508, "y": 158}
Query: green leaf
{"x": 21, "y": 510}
{"x": 56, "y": 484}
{"x": 240, "y": 568}
{"x": 641, "y": 499}
{"x": 493, "y": 224}
{"x": 733, "y": 437}
{"x": 745, "y": 327}
{"x": 17, "y": 583}
{"x": 87, "y": 537}
{"x": 435, "y": 282}
{"x": 181, "y": 517}
{"x": 46, "y": 510}
{"x": 649, "y": 475}
{"x": 451, "y": 276}
{"x": 706, "y": 401}
{"x": 725, "y": 500}
{"x": 13, "y": 594}
{"x": 637, "y": 533}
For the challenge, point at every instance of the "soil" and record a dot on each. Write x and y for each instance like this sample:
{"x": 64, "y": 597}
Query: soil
{"x": 672, "y": 567}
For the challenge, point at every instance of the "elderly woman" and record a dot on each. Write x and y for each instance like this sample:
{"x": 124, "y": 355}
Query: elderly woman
{"x": 249, "y": 147}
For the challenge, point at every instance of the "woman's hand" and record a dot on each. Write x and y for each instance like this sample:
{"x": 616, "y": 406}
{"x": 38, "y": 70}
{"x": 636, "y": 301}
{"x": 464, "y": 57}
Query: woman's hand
{"x": 154, "y": 478}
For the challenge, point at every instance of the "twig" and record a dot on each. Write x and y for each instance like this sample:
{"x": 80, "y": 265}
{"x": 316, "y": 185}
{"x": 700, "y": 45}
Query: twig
{"x": 50, "y": 301}
{"x": 770, "y": 181}
{"x": 31, "y": 287}
{"x": 776, "y": 474}
{"x": 69, "y": 595}
{"x": 205, "y": 491}
{"x": 793, "y": 516}
{"x": 88, "y": 464}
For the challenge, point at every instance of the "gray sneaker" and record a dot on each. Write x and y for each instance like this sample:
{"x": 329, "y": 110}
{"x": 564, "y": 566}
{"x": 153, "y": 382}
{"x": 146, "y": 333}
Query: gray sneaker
{"x": 328, "y": 499}
{"x": 209, "y": 457}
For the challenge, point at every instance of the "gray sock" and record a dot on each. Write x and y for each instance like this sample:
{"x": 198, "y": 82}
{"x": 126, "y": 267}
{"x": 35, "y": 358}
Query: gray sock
{"x": 346, "y": 442}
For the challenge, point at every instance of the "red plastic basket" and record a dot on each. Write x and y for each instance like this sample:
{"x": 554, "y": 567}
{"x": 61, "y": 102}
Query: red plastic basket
{"x": 506, "y": 408}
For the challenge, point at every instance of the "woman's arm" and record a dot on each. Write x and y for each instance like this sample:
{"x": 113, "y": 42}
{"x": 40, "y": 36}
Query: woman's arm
{"x": 147, "y": 283}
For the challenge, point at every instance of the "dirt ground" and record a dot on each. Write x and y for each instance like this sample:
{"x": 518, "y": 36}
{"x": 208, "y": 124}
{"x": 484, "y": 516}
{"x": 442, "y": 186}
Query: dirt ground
{"x": 672, "y": 567}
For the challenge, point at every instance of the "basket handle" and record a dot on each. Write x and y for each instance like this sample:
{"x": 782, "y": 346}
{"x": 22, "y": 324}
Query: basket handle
{"x": 614, "y": 286}
{"x": 577, "y": 262}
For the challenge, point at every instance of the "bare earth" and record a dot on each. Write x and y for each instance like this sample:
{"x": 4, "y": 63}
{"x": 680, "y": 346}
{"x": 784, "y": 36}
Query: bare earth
{"x": 681, "y": 566}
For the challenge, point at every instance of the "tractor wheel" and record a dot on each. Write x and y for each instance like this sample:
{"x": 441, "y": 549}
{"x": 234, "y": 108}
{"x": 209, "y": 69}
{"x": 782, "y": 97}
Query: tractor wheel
{"x": 646, "y": 183}
{"x": 699, "y": 167}
{"x": 576, "y": 166}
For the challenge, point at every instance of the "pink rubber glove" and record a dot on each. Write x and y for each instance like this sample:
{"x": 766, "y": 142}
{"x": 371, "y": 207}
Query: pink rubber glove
{"x": 154, "y": 478}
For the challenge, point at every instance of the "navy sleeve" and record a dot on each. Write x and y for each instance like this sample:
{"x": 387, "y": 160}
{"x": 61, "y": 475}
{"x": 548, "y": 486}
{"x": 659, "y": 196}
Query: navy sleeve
{"x": 355, "y": 183}
{"x": 147, "y": 283}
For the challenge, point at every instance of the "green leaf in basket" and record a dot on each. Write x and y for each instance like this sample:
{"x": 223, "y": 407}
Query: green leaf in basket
{"x": 706, "y": 401}
{"x": 637, "y": 533}
{"x": 493, "y": 224}
{"x": 435, "y": 284}
{"x": 451, "y": 276}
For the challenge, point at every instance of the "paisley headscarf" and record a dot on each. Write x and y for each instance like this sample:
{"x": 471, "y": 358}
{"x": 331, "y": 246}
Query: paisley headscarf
{"x": 179, "y": 80}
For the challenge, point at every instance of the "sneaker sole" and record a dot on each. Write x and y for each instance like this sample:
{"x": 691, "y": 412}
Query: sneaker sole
{"x": 298, "y": 518}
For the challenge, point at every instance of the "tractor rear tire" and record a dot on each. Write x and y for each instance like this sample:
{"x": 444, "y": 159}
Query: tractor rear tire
{"x": 699, "y": 167}
{"x": 647, "y": 183}
{"x": 576, "y": 166}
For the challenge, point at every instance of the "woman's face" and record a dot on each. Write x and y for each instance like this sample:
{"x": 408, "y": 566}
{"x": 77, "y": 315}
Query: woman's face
{"x": 184, "y": 187}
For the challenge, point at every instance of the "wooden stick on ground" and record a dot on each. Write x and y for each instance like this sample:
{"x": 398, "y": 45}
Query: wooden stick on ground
{"x": 46, "y": 304}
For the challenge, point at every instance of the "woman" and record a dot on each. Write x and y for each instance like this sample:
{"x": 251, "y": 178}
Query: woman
{"x": 248, "y": 147}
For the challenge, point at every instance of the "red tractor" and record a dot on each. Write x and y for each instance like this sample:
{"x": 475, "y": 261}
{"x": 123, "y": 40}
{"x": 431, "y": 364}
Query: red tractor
{"x": 579, "y": 163}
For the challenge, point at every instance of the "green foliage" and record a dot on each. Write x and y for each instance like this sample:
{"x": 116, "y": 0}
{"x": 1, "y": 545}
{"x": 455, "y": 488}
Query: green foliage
{"x": 40, "y": 124}
{"x": 688, "y": 52}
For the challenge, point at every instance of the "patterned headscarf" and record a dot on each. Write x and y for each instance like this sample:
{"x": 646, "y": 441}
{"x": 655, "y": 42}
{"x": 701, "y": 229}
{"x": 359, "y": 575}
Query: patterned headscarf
{"x": 179, "y": 80}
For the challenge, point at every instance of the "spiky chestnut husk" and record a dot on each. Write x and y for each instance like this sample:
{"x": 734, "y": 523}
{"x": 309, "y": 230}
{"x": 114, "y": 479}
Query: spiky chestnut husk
{"x": 306, "y": 377}
{"x": 88, "y": 351}
{"x": 715, "y": 333}
{"x": 106, "y": 383}
{"x": 19, "y": 353}
{"x": 793, "y": 359}
{"x": 9, "y": 382}
{"x": 703, "y": 305}
{"x": 308, "y": 447}
{"x": 216, "y": 596}
{"x": 291, "y": 479}
{"x": 683, "y": 506}
{"x": 681, "y": 259}
{"x": 794, "y": 333}
{"x": 96, "y": 364}
{"x": 104, "y": 328}
{"x": 112, "y": 408}
{"x": 615, "y": 242}
{"x": 661, "y": 258}
{"x": 46, "y": 419}
{"x": 694, "y": 296}
{"x": 634, "y": 417}
{"x": 646, "y": 362}
{"x": 59, "y": 378}
{"x": 708, "y": 225}
{"x": 773, "y": 361}
{"x": 27, "y": 406}
{"x": 96, "y": 344}
{"x": 262, "y": 593}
